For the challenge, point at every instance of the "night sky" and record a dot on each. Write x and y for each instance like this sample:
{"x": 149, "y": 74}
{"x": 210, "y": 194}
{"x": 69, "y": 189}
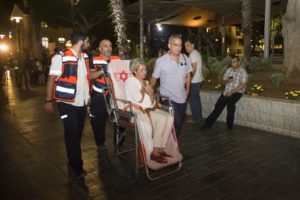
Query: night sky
{"x": 6, "y": 7}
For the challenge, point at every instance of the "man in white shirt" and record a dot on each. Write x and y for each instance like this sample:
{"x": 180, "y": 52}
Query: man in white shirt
{"x": 194, "y": 98}
{"x": 68, "y": 84}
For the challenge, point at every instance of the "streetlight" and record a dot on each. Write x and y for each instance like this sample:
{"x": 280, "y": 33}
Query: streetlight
{"x": 159, "y": 27}
{"x": 2, "y": 36}
{"x": 4, "y": 47}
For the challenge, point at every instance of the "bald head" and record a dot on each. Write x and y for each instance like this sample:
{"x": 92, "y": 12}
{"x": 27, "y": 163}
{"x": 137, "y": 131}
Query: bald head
{"x": 105, "y": 48}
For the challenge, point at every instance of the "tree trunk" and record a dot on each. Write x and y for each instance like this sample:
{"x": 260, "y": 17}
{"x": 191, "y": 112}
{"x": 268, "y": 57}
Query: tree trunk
{"x": 119, "y": 20}
{"x": 291, "y": 35}
{"x": 247, "y": 27}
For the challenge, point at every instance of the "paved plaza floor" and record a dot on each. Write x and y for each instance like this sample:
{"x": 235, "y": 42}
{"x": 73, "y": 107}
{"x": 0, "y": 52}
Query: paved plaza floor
{"x": 241, "y": 164}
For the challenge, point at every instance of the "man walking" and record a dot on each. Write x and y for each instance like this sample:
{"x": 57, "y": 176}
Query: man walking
{"x": 98, "y": 111}
{"x": 235, "y": 79}
{"x": 68, "y": 84}
{"x": 194, "y": 98}
{"x": 173, "y": 69}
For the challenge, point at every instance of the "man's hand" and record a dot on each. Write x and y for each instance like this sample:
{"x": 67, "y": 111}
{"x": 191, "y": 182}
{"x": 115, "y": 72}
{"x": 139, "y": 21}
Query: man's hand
{"x": 227, "y": 94}
{"x": 187, "y": 94}
{"x": 49, "y": 107}
{"x": 228, "y": 80}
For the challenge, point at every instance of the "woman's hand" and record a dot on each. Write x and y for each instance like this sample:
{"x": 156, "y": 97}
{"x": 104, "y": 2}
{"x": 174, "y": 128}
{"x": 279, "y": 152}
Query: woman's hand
{"x": 149, "y": 90}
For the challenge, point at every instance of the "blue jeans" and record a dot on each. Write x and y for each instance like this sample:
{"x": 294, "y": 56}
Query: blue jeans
{"x": 195, "y": 102}
{"x": 179, "y": 114}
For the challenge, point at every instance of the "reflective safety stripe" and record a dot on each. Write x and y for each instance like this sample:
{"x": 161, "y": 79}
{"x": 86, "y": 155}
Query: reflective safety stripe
{"x": 66, "y": 90}
{"x": 85, "y": 56}
{"x": 55, "y": 72}
{"x": 69, "y": 58}
{"x": 99, "y": 62}
{"x": 63, "y": 116}
{"x": 97, "y": 89}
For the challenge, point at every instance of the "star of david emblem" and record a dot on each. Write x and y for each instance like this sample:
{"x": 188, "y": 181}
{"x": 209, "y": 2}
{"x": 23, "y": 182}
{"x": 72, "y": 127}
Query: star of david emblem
{"x": 123, "y": 76}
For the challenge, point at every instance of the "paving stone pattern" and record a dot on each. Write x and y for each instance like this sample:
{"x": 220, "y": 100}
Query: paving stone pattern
{"x": 241, "y": 164}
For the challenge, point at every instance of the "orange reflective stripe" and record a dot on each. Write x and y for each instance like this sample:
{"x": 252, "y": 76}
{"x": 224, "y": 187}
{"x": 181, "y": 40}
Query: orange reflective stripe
{"x": 101, "y": 80}
{"x": 115, "y": 58}
{"x": 71, "y": 79}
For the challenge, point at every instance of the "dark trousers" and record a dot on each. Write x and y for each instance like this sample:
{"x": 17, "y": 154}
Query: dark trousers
{"x": 179, "y": 114}
{"x": 73, "y": 119}
{"x": 195, "y": 102}
{"x": 98, "y": 117}
{"x": 219, "y": 107}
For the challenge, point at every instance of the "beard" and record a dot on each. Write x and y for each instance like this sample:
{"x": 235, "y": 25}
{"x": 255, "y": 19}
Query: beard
{"x": 107, "y": 54}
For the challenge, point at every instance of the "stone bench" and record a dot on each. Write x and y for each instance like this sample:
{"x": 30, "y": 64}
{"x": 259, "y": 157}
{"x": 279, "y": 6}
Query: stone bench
{"x": 268, "y": 114}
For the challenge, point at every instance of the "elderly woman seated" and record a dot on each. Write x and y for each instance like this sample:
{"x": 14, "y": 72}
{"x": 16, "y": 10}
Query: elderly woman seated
{"x": 143, "y": 100}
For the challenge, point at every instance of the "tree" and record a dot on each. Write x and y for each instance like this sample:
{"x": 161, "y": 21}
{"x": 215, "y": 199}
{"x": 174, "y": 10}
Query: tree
{"x": 247, "y": 27}
{"x": 117, "y": 8}
{"x": 291, "y": 35}
{"x": 82, "y": 16}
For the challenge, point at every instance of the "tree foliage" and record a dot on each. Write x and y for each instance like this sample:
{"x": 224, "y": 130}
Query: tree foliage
{"x": 83, "y": 16}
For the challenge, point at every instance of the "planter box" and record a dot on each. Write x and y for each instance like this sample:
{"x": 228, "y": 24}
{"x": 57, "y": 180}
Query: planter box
{"x": 268, "y": 114}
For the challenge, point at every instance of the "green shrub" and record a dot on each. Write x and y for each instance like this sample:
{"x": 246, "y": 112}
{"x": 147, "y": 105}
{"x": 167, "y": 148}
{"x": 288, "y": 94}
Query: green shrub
{"x": 227, "y": 61}
{"x": 205, "y": 71}
{"x": 243, "y": 62}
{"x": 254, "y": 64}
{"x": 211, "y": 61}
{"x": 277, "y": 80}
{"x": 265, "y": 63}
{"x": 218, "y": 69}
{"x": 259, "y": 64}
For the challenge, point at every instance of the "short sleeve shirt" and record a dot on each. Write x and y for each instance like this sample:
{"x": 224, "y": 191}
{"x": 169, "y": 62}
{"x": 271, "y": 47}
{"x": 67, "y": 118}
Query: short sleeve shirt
{"x": 172, "y": 76}
{"x": 195, "y": 57}
{"x": 239, "y": 76}
{"x": 82, "y": 87}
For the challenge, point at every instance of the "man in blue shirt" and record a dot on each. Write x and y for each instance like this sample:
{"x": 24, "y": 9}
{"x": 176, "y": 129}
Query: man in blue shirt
{"x": 173, "y": 69}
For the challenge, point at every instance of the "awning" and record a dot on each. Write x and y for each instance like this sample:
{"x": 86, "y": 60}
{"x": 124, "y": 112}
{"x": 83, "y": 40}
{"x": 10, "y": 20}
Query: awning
{"x": 197, "y": 13}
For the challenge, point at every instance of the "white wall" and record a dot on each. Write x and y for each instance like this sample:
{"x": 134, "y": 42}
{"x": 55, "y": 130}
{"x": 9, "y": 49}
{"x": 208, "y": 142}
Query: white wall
{"x": 273, "y": 115}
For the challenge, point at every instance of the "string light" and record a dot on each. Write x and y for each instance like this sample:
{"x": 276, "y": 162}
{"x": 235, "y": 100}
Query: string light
{"x": 120, "y": 26}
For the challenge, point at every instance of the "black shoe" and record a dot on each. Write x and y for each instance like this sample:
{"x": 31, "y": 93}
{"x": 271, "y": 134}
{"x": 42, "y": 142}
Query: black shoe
{"x": 229, "y": 128}
{"x": 76, "y": 172}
